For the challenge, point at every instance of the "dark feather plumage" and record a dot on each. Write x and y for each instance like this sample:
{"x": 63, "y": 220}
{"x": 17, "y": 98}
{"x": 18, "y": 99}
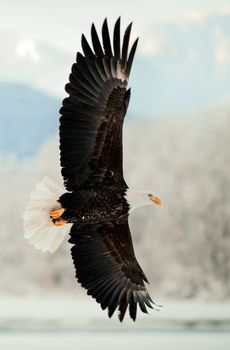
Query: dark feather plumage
{"x": 106, "y": 266}
{"x": 91, "y": 158}
{"x": 98, "y": 81}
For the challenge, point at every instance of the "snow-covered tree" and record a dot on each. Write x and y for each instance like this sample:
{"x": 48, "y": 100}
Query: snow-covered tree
{"x": 184, "y": 246}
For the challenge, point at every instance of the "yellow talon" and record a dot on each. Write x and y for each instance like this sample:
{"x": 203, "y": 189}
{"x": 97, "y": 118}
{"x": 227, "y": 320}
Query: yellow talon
{"x": 59, "y": 222}
{"x": 55, "y": 214}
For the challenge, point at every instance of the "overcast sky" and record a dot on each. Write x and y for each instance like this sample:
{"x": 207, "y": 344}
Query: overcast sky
{"x": 61, "y": 22}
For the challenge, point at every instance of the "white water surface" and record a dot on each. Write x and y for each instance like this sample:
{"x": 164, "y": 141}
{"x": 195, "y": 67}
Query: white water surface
{"x": 113, "y": 341}
{"x": 66, "y": 324}
{"x": 61, "y": 314}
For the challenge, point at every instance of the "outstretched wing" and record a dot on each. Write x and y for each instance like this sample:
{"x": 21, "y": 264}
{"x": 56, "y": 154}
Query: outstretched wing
{"x": 106, "y": 266}
{"x": 92, "y": 115}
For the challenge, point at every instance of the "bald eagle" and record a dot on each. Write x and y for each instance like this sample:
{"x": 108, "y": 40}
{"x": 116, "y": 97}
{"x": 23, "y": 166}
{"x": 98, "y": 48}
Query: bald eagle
{"x": 95, "y": 208}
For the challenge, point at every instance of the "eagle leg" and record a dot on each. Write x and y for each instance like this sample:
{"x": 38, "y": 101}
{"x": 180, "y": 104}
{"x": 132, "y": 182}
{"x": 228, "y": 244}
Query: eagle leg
{"x": 59, "y": 222}
{"x": 55, "y": 215}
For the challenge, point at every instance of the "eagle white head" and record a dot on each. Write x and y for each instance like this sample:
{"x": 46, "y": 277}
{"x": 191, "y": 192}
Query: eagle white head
{"x": 137, "y": 199}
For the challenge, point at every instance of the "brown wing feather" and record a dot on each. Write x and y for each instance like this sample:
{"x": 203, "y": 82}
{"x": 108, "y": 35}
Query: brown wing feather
{"x": 106, "y": 266}
{"x": 92, "y": 115}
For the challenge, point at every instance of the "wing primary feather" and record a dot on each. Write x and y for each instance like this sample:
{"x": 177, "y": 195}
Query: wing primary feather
{"x": 141, "y": 301}
{"x": 100, "y": 69}
{"x": 147, "y": 302}
{"x": 107, "y": 296}
{"x": 131, "y": 56}
{"x": 132, "y": 307}
{"x": 125, "y": 45}
{"x": 113, "y": 66}
{"x": 116, "y": 39}
{"x": 107, "y": 68}
{"x": 114, "y": 301}
{"x": 123, "y": 304}
{"x": 86, "y": 48}
{"x": 96, "y": 42}
{"x": 106, "y": 39}
{"x": 94, "y": 288}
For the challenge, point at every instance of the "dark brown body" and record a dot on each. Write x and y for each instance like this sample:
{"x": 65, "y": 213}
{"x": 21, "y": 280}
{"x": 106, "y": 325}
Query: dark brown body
{"x": 94, "y": 206}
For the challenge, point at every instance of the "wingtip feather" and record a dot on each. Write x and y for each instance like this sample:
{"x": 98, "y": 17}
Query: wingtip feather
{"x": 96, "y": 42}
{"x": 125, "y": 45}
{"x": 106, "y": 39}
{"x": 116, "y": 39}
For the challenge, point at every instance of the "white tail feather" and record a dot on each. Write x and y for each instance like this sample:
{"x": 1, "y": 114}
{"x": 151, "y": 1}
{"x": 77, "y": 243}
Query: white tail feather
{"x": 37, "y": 224}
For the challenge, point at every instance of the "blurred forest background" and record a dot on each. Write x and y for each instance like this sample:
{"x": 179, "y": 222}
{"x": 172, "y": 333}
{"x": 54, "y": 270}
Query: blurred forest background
{"x": 176, "y": 143}
{"x": 183, "y": 246}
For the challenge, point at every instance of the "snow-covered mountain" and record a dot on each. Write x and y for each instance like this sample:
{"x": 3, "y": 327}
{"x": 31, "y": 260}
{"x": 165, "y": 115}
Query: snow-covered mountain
{"x": 28, "y": 118}
{"x": 181, "y": 68}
